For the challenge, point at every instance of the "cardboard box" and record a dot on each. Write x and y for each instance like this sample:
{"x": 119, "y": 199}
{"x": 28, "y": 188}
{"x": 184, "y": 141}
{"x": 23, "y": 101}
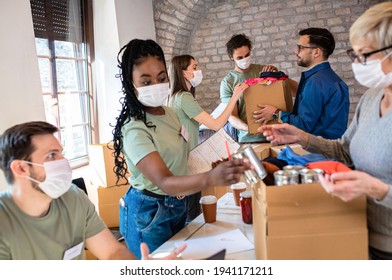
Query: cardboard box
{"x": 218, "y": 191}
{"x": 304, "y": 222}
{"x": 101, "y": 166}
{"x": 277, "y": 94}
{"x": 107, "y": 202}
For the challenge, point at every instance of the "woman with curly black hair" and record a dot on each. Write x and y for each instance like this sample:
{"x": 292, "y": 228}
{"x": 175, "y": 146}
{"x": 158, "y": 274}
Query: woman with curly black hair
{"x": 151, "y": 144}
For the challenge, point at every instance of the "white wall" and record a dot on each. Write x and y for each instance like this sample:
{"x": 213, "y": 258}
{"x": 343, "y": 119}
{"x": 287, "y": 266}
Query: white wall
{"x": 20, "y": 85}
{"x": 116, "y": 22}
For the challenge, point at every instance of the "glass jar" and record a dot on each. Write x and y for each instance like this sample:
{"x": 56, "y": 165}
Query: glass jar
{"x": 246, "y": 206}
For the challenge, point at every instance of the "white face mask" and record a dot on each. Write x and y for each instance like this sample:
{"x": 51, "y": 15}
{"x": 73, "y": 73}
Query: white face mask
{"x": 58, "y": 177}
{"x": 154, "y": 95}
{"x": 197, "y": 78}
{"x": 371, "y": 74}
{"x": 243, "y": 63}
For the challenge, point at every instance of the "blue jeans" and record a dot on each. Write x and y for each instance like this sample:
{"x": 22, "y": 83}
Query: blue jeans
{"x": 149, "y": 219}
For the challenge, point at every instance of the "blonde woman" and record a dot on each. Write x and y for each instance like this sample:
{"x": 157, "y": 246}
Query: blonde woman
{"x": 371, "y": 40}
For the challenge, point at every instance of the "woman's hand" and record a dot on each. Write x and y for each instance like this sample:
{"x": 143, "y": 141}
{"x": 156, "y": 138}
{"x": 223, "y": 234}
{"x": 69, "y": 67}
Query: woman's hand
{"x": 228, "y": 172}
{"x": 279, "y": 134}
{"x": 352, "y": 184}
{"x": 239, "y": 90}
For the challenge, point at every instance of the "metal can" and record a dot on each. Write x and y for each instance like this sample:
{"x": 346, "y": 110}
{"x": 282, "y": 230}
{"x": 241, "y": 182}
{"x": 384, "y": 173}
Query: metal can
{"x": 248, "y": 152}
{"x": 282, "y": 177}
{"x": 251, "y": 175}
{"x": 246, "y": 207}
{"x": 293, "y": 167}
{"x": 317, "y": 172}
{"x": 293, "y": 176}
{"x": 286, "y": 177}
{"x": 307, "y": 176}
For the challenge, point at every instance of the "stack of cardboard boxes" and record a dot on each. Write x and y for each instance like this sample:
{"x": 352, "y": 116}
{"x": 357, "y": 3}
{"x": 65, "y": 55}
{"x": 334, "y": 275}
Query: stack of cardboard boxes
{"x": 104, "y": 190}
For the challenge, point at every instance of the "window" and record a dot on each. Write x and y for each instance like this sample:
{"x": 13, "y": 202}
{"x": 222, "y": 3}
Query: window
{"x": 60, "y": 36}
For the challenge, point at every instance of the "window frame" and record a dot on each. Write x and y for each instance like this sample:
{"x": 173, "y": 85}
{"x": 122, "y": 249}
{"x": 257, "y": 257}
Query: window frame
{"x": 89, "y": 120}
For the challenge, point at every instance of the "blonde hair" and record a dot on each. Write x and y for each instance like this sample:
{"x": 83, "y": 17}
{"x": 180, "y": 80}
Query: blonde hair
{"x": 375, "y": 26}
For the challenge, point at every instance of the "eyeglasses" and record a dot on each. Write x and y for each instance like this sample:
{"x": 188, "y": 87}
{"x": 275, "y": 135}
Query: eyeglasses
{"x": 300, "y": 47}
{"x": 363, "y": 56}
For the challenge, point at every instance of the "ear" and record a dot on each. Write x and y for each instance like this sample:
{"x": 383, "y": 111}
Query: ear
{"x": 318, "y": 53}
{"x": 19, "y": 168}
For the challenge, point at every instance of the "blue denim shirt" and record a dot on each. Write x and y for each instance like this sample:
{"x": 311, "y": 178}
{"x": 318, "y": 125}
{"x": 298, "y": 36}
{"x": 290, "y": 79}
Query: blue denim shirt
{"x": 322, "y": 103}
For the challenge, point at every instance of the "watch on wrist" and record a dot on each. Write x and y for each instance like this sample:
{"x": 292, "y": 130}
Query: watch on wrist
{"x": 275, "y": 115}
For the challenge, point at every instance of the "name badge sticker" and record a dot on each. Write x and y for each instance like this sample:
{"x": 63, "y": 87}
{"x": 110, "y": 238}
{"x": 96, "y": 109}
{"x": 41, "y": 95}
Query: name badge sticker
{"x": 73, "y": 252}
{"x": 184, "y": 133}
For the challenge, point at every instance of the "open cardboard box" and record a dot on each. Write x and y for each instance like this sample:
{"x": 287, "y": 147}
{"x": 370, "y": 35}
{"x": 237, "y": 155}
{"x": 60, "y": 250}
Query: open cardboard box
{"x": 277, "y": 94}
{"x": 305, "y": 222}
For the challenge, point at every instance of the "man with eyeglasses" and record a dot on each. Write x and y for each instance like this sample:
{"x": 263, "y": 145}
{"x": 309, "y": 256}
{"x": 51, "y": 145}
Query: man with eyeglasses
{"x": 322, "y": 102}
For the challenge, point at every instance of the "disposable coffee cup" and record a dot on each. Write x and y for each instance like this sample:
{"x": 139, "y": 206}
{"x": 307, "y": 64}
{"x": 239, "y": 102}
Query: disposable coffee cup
{"x": 208, "y": 206}
{"x": 236, "y": 189}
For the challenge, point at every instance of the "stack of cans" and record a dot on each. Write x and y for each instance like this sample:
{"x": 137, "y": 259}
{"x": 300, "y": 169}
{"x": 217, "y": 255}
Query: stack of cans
{"x": 296, "y": 174}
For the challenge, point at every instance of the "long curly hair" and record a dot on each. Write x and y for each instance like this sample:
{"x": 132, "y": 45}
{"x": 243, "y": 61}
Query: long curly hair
{"x": 131, "y": 54}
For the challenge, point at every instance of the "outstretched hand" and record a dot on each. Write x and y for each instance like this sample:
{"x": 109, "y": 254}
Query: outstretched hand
{"x": 145, "y": 252}
{"x": 352, "y": 184}
{"x": 279, "y": 134}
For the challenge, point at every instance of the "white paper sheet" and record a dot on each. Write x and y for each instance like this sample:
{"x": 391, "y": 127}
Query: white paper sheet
{"x": 211, "y": 150}
{"x": 200, "y": 248}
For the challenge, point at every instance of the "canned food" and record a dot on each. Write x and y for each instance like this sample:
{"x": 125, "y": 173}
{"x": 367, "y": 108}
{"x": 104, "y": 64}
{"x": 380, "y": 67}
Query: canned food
{"x": 282, "y": 177}
{"x": 286, "y": 177}
{"x": 293, "y": 176}
{"x": 293, "y": 167}
{"x": 251, "y": 175}
{"x": 317, "y": 172}
{"x": 307, "y": 176}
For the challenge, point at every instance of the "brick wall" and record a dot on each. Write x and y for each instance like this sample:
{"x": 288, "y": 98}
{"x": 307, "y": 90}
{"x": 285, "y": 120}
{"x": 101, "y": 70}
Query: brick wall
{"x": 202, "y": 28}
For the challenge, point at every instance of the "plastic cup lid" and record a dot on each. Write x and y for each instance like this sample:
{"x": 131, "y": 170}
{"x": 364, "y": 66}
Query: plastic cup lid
{"x": 208, "y": 199}
{"x": 239, "y": 185}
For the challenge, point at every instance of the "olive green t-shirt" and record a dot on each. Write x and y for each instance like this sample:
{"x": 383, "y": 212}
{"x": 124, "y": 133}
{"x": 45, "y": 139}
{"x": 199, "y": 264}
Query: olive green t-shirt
{"x": 186, "y": 107}
{"x": 165, "y": 138}
{"x": 71, "y": 220}
{"x": 226, "y": 92}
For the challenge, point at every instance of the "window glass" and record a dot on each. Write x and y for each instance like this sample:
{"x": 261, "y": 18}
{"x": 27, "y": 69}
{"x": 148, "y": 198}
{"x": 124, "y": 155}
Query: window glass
{"x": 59, "y": 27}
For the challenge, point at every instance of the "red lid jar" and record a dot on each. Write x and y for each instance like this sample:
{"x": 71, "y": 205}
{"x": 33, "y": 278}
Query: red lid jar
{"x": 246, "y": 206}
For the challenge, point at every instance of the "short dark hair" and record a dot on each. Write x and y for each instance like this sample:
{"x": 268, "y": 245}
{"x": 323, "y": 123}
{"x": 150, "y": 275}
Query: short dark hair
{"x": 15, "y": 143}
{"x": 321, "y": 38}
{"x": 237, "y": 41}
